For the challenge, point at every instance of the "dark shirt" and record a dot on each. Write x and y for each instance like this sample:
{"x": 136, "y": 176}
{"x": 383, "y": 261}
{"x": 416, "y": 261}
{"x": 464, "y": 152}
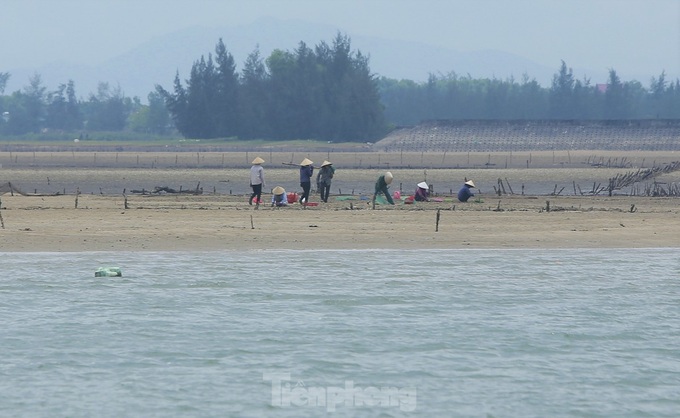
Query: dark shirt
{"x": 465, "y": 193}
{"x": 325, "y": 174}
{"x": 421, "y": 195}
{"x": 306, "y": 172}
{"x": 380, "y": 185}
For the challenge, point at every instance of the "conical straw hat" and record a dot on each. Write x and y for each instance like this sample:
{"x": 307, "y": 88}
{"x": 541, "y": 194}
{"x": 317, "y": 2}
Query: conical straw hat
{"x": 258, "y": 160}
{"x": 325, "y": 163}
{"x": 306, "y": 161}
{"x": 423, "y": 185}
{"x": 278, "y": 190}
{"x": 470, "y": 183}
{"x": 388, "y": 177}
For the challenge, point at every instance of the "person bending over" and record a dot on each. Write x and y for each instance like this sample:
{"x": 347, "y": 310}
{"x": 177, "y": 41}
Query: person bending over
{"x": 465, "y": 192}
{"x": 279, "y": 197}
{"x": 381, "y": 186}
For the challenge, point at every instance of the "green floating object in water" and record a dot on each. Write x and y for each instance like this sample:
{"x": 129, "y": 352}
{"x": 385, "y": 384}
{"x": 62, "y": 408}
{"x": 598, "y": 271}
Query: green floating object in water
{"x": 108, "y": 272}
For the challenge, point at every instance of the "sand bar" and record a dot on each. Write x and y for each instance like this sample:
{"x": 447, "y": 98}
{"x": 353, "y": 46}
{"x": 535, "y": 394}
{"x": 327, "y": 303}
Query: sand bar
{"x": 530, "y": 216}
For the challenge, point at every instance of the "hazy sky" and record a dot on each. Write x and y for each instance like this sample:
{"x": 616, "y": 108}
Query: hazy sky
{"x": 631, "y": 36}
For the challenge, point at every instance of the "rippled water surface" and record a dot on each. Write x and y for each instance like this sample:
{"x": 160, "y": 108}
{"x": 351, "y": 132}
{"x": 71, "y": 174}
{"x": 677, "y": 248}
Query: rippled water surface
{"x": 342, "y": 333}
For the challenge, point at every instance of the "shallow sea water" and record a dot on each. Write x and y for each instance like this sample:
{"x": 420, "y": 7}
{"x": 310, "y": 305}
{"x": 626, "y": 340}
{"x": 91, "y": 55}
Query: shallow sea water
{"x": 490, "y": 333}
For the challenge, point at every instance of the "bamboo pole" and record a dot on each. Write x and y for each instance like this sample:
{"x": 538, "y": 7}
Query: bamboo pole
{"x": 2, "y": 221}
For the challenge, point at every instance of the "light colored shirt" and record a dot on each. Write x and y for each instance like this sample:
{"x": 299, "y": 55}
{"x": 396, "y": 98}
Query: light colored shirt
{"x": 256, "y": 175}
{"x": 280, "y": 199}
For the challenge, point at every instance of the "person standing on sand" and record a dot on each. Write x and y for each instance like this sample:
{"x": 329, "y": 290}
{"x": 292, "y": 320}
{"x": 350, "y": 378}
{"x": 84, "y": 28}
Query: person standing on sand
{"x": 465, "y": 193}
{"x": 256, "y": 180}
{"x": 323, "y": 179}
{"x": 306, "y": 171}
{"x": 381, "y": 186}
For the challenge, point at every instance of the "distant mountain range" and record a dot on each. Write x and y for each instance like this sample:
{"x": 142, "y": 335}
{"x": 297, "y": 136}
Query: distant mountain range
{"x": 156, "y": 61}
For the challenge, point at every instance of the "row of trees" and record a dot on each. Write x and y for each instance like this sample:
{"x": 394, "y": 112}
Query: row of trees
{"x": 455, "y": 97}
{"x": 35, "y": 109}
{"x": 324, "y": 93}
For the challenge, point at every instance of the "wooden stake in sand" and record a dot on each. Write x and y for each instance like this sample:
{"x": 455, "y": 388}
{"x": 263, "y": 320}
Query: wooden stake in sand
{"x": 252, "y": 226}
{"x": 436, "y": 225}
{"x": 2, "y": 221}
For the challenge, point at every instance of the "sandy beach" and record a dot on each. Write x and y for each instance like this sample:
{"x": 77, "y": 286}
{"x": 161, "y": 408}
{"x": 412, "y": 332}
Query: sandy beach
{"x": 169, "y": 223}
{"x": 221, "y": 219}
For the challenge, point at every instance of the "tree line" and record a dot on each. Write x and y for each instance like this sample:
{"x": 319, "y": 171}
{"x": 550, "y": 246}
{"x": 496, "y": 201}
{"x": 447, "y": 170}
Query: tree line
{"x": 455, "y": 97}
{"x": 326, "y": 93}
{"x": 34, "y": 110}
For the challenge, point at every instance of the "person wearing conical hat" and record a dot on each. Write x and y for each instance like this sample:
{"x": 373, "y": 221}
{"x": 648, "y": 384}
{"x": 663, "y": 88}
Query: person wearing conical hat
{"x": 306, "y": 171}
{"x": 465, "y": 193}
{"x": 381, "y": 186}
{"x": 256, "y": 180}
{"x": 279, "y": 197}
{"x": 422, "y": 191}
{"x": 323, "y": 179}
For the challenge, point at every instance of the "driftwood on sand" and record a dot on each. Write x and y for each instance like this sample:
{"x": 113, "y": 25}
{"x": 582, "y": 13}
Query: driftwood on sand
{"x": 630, "y": 178}
{"x": 168, "y": 190}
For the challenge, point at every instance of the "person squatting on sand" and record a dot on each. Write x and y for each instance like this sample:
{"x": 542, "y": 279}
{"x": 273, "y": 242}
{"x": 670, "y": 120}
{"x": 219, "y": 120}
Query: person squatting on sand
{"x": 323, "y": 180}
{"x": 465, "y": 193}
{"x": 421, "y": 194}
{"x": 381, "y": 186}
{"x": 256, "y": 180}
{"x": 306, "y": 171}
{"x": 279, "y": 197}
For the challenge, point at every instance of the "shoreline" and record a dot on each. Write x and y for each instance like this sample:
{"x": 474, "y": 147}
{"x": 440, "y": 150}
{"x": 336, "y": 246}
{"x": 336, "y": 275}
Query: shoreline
{"x": 214, "y": 223}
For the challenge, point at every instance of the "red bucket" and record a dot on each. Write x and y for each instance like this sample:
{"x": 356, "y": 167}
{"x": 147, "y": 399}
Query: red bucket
{"x": 292, "y": 197}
